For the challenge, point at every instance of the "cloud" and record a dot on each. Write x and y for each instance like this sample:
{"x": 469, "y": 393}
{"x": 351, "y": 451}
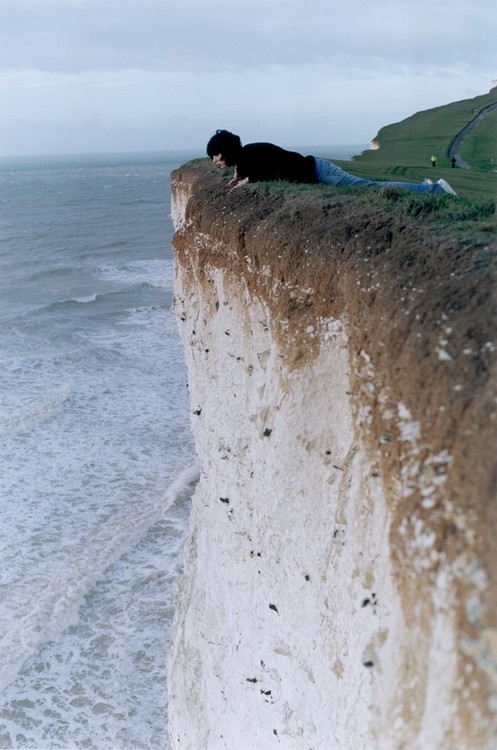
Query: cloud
{"x": 104, "y": 72}
{"x": 190, "y": 35}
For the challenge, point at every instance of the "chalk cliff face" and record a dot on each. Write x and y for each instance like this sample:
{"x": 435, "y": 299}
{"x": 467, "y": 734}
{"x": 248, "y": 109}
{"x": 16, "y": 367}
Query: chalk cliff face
{"x": 339, "y": 587}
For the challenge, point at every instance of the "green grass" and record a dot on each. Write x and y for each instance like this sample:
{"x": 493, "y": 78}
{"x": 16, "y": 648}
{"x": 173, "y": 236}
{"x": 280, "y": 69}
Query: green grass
{"x": 406, "y": 148}
{"x": 468, "y": 183}
{"x": 465, "y": 214}
{"x": 473, "y": 219}
{"x": 480, "y": 149}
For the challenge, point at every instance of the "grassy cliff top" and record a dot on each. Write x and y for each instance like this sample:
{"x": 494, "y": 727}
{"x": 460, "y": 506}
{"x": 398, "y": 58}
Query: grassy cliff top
{"x": 406, "y": 147}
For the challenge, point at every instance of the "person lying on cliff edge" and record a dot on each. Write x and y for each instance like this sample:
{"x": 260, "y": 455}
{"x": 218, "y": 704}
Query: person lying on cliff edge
{"x": 264, "y": 162}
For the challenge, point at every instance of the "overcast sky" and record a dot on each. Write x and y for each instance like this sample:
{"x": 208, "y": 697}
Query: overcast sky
{"x": 119, "y": 75}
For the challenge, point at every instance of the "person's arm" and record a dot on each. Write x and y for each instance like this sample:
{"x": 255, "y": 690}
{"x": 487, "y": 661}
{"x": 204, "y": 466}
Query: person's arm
{"x": 236, "y": 182}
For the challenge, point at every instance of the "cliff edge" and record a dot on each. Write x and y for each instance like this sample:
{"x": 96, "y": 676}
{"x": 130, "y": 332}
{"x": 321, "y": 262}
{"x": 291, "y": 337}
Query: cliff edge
{"x": 340, "y": 574}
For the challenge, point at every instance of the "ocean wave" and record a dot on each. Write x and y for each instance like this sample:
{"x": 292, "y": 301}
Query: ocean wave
{"x": 39, "y": 410}
{"x": 184, "y": 484}
{"x": 139, "y": 201}
{"x": 129, "y": 295}
{"x": 76, "y": 301}
{"x": 43, "y": 609}
{"x": 83, "y": 300}
{"x": 157, "y": 273}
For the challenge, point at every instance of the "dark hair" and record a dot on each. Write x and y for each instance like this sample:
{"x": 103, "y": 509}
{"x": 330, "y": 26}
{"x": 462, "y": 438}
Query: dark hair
{"x": 227, "y": 144}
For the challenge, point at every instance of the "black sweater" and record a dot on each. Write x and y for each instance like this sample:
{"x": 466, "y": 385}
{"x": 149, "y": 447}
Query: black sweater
{"x": 262, "y": 162}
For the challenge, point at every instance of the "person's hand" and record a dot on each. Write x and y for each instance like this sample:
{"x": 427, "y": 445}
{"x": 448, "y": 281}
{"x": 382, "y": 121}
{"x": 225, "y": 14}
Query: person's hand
{"x": 234, "y": 184}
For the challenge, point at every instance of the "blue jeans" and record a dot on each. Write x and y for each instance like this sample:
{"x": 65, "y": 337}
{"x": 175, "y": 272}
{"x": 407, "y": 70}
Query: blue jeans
{"x": 328, "y": 173}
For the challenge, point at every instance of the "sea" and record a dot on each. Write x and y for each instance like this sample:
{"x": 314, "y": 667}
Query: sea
{"x": 97, "y": 462}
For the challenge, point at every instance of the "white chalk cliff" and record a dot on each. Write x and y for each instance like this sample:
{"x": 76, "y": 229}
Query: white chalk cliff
{"x": 339, "y": 584}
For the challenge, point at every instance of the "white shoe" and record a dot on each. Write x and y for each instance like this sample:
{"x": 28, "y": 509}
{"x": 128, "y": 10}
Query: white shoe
{"x": 446, "y": 187}
{"x": 427, "y": 181}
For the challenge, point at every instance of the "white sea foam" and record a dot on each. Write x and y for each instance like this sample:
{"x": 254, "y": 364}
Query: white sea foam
{"x": 40, "y": 609}
{"x": 84, "y": 300}
{"x": 37, "y": 410}
{"x": 110, "y": 663}
{"x": 157, "y": 273}
{"x": 94, "y": 429}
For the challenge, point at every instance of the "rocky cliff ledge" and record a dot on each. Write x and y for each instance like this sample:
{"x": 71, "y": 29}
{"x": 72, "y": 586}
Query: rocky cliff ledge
{"x": 340, "y": 575}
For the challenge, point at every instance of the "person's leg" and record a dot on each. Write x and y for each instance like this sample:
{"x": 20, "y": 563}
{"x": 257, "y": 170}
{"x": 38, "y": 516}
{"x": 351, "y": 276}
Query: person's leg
{"x": 328, "y": 173}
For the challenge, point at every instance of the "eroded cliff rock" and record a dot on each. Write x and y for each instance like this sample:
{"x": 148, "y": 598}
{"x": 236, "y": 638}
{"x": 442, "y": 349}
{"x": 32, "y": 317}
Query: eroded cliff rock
{"x": 340, "y": 578}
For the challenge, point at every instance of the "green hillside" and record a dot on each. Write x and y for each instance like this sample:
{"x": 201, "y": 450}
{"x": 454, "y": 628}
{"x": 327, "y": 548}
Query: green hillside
{"x": 480, "y": 149}
{"x": 405, "y": 148}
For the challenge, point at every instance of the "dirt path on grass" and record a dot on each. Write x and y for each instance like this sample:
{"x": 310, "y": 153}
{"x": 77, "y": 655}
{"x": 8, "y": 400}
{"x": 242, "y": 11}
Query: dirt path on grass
{"x": 455, "y": 148}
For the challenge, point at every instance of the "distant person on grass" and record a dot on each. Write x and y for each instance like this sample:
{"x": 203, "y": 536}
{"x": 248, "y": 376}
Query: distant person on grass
{"x": 263, "y": 162}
